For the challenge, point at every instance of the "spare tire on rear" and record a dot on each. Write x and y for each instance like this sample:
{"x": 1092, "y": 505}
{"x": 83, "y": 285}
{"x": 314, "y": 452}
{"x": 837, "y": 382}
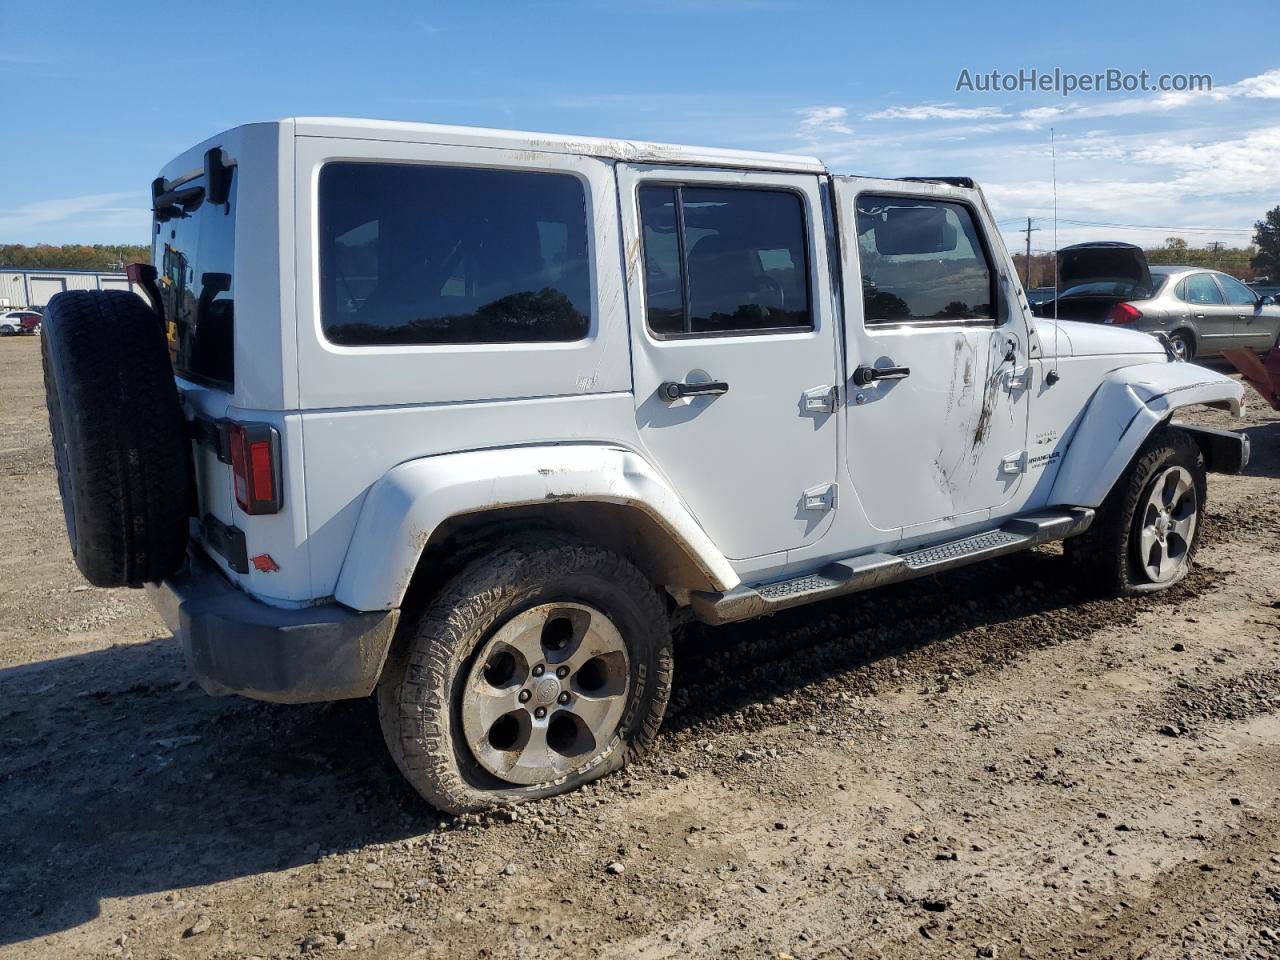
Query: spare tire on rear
{"x": 119, "y": 437}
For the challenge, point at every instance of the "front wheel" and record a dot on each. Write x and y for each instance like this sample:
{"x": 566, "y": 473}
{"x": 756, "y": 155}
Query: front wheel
{"x": 543, "y": 665}
{"x": 1146, "y": 531}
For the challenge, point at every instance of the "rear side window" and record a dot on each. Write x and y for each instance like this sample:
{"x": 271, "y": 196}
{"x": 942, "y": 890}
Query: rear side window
{"x": 921, "y": 260}
{"x": 414, "y": 254}
{"x": 722, "y": 260}
{"x": 194, "y": 257}
{"x": 1199, "y": 288}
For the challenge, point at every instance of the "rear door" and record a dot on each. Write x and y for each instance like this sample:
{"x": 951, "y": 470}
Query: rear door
{"x": 939, "y": 389}
{"x": 734, "y": 349}
{"x": 1214, "y": 320}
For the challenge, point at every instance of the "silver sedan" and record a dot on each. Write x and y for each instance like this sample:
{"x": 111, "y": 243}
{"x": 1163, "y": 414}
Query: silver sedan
{"x": 1203, "y": 312}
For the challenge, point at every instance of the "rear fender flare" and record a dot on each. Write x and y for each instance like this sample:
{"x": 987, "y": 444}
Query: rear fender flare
{"x": 1129, "y": 404}
{"x": 412, "y": 500}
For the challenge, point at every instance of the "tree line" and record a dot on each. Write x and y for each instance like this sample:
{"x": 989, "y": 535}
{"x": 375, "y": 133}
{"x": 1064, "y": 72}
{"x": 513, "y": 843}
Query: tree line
{"x": 73, "y": 256}
{"x": 1261, "y": 261}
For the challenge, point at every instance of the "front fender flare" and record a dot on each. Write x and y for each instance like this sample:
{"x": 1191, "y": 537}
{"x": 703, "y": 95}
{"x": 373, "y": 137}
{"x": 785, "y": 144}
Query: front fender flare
{"x": 411, "y": 500}
{"x": 1126, "y": 407}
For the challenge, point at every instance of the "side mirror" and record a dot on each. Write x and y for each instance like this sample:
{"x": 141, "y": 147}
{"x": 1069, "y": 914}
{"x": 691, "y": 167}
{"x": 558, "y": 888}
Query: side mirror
{"x": 1267, "y": 301}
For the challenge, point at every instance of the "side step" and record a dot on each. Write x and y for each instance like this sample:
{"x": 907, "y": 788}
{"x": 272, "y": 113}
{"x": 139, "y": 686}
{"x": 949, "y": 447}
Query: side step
{"x": 868, "y": 570}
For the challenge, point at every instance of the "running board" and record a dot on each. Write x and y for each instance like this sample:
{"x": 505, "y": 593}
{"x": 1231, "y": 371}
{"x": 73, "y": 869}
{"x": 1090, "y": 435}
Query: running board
{"x": 868, "y": 570}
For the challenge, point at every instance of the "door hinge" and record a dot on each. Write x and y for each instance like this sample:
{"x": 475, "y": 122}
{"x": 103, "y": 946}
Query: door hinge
{"x": 822, "y": 399}
{"x": 821, "y": 498}
{"x": 1014, "y": 464}
{"x": 1019, "y": 378}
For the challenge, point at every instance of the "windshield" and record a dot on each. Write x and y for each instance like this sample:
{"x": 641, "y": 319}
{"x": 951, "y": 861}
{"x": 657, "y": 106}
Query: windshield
{"x": 194, "y": 255}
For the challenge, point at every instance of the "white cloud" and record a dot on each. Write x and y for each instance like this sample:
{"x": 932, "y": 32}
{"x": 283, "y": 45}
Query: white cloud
{"x": 1264, "y": 85}
{"x": 1164, "y": 179}
{"x": 819, "y": 121}
{"x": 87, "y": 214}
{"x": 937, "y": 111}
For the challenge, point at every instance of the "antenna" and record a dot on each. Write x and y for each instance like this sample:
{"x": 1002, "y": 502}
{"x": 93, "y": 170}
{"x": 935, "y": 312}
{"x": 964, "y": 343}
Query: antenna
{"x": 1053, "y": 376}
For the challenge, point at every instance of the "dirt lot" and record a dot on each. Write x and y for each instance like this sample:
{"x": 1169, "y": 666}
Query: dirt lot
{"x": 989, "y": 763}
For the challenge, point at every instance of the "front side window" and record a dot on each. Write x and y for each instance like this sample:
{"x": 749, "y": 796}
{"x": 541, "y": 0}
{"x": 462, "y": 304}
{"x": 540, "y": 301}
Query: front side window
{"x": 921, "y": 260}
{"x": 415, "y": 254}
{"x": 1201, "y": 289}
{"x": 1237, "y": 293}
{"x": 724, "y": 260}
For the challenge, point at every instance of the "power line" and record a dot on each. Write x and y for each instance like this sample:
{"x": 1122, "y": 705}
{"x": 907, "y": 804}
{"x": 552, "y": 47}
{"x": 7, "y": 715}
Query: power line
{"x": 1146, "y": 226}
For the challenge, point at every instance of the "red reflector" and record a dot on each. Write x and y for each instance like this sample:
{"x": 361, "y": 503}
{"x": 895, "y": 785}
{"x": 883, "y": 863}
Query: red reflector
{"x": 1123, "y": 313}
{"x": 264, "y": 564}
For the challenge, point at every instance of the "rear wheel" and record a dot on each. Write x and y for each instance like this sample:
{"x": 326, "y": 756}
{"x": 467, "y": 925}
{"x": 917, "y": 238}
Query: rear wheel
{"x": 1184, "y": 345}
{"x": 1145, "y": 533}
{"x": 543, "y": 665}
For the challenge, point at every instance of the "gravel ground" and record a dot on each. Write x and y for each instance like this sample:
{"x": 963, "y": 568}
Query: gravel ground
{"x": 989, "y": 763}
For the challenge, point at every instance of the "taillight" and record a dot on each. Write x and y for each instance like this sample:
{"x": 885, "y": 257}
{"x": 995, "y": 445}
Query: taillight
{"x": 255, "y": 466}
{"x": 1123, "y": 313}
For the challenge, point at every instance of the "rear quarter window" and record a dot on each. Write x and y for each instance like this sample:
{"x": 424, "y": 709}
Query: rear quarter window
{"x": 194, "y": 256}
{"x": 416, "y": 254}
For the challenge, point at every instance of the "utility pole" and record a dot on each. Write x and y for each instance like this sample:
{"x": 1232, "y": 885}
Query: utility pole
{"x": 1027, "y": 279}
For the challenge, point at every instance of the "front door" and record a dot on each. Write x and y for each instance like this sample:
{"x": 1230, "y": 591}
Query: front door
{"x": 734, "y": 349}
{"x": 937, "y": 358}
{"x": 1215, "y": 321}
{"x": 1255, "y": 326}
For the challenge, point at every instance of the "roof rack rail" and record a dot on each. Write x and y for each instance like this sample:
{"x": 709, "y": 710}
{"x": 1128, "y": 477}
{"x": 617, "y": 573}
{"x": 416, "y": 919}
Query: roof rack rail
{"x": 966, "y": 182}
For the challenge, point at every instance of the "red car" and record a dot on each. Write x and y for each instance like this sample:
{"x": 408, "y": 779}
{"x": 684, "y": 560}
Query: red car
{"x": 19, "y": 321}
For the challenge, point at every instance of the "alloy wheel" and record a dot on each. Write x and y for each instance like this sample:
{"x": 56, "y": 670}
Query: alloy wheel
{"x": 1167, "y": 525}
{"x": 546, "y": 693}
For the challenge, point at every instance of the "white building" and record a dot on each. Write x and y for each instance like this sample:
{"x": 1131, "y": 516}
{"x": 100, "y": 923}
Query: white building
{"x": 25, "y": 287}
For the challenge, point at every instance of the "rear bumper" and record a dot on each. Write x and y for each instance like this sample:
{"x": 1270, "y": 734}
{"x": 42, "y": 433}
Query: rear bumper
{"x": 235, "y": 644}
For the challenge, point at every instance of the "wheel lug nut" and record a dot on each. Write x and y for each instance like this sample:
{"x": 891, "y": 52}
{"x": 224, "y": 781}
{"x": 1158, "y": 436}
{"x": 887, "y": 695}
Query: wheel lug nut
{"x": 524, "y": 696}
{"x": 540, "y": 712}
{"x": 562, "y": 672}
{"x": 564, "y": 697}
{"x": 538, "y": 670}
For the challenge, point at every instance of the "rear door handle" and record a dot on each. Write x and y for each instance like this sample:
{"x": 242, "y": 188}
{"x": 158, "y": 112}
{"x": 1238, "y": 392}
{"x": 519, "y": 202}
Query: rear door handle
{"x": 864, "y": 376}
{"x": 672, "y": 391}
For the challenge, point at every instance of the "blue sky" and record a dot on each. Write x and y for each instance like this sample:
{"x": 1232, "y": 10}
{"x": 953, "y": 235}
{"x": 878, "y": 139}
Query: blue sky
{"x": 98, "y": 96}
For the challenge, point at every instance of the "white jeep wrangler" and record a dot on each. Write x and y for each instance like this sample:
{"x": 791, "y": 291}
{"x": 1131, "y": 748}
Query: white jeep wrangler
{"x": 470, "y": 417}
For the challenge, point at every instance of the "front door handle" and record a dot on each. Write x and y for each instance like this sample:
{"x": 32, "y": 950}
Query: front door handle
{"x": 671, "y": 391}
{"x": 864, "y": 376}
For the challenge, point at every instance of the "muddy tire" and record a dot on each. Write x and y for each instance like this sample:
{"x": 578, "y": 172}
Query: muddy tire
{"x": 119, "y": 437}
{"x": 544, "y": 664}
{"x": 1145, "y": 535}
